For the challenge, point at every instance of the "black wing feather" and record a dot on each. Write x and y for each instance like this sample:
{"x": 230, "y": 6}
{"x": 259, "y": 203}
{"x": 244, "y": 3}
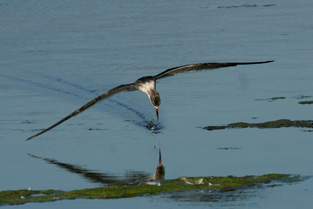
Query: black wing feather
{"x": 105, "y": 95}
{"x": 202, "y": 66}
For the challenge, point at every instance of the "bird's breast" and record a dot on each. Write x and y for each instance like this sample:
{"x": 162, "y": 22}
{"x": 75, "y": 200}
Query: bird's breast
{"x": 147, "y": 87}
{"x": 146, "y": 84}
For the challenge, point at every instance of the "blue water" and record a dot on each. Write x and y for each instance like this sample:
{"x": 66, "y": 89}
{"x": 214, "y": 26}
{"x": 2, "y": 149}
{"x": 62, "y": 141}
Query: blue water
{"x": 57, "y": 55}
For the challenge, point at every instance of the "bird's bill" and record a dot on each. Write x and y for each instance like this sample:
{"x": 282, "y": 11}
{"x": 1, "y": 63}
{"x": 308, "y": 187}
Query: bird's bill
{"x": 157, "y": 112}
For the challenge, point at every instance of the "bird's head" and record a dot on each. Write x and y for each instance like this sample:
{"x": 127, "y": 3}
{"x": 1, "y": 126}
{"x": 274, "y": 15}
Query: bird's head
{"x": 156, "y": 101}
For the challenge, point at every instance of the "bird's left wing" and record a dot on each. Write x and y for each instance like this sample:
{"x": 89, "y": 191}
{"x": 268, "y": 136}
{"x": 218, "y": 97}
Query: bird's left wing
{"x": 202, "y": 66}
{"x": 105, "y": 95}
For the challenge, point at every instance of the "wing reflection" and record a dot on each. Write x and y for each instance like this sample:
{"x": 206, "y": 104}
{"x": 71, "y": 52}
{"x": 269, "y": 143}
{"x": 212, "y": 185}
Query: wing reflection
{"x": 130, "y": 177}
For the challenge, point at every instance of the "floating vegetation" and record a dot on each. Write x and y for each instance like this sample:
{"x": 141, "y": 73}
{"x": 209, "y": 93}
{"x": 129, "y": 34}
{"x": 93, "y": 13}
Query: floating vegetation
{"x": 221, "y": 184}
{"x": 97, "y": 129}
{"x": 302, "y": 97}
{"x": 269, "y": 5}
{"x": 27, "y": 122}
{"x": 238, "y": 6}
{"x": 271, "y": 99}
{"x": 294, "y": 97}
{"x": 271, "y": 124}
{"x": 306, "y": 102}
{"x": 276, "y": 98}
{"x": 244, "y": 6}
{"x": 229, "y": 148}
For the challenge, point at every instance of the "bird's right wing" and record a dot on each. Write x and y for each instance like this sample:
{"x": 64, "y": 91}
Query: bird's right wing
{"x": 202, "y": 66}
{"x": 105, "y": 95}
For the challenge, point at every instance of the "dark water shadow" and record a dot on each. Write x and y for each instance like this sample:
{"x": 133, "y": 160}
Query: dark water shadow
{"x": 107, "y": 179}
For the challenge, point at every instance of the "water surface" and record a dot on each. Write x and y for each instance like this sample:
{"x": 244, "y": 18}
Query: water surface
{"x": 57, "y": 55}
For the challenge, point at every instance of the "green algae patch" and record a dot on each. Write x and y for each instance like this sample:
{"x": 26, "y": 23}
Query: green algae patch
{"x": 270, "y": 124}
{"x": 16, "y": 197}
{"x": 277, "y": 98}
{"x": 222, "y": 184}
{"x": 306, "y": 102}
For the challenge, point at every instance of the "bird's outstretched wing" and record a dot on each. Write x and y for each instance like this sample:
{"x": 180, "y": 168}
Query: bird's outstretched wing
{"x": 105, "y": 95}
{"x": 202, "y": 66}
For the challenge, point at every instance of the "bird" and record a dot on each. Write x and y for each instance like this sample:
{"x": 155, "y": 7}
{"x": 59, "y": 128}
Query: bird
{"x": 147, "y": 85}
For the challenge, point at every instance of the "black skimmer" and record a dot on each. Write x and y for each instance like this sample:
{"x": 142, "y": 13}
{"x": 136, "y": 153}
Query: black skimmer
{"x": 147, "y": 85}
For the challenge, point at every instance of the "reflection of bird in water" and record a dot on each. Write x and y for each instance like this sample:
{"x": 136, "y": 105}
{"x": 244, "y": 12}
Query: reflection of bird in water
{"x": 130, "y": 178}
{"x": 147, "y": 85}
{"x": 160, "y": 170}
